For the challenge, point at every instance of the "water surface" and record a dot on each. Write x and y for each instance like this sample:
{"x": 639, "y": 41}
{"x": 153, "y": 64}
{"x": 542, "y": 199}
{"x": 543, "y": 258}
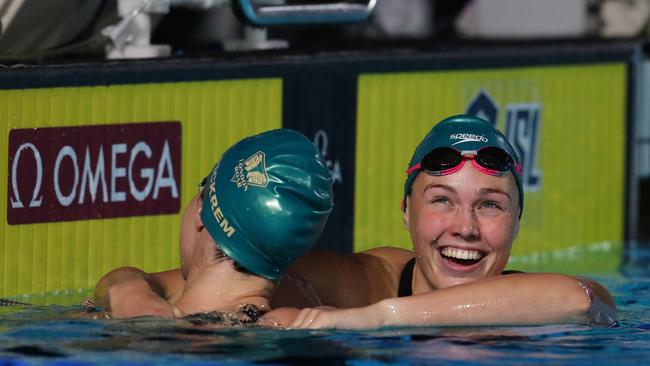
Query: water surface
{"x": 52, "y": 335}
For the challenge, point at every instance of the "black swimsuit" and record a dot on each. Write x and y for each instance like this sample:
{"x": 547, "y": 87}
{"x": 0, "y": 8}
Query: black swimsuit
{"x": 406, "y": 279}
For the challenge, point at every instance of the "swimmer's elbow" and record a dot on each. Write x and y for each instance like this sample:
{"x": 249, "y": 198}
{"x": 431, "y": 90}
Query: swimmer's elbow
{"x": 595, "y": 304}
{"x": 576, "y": 300}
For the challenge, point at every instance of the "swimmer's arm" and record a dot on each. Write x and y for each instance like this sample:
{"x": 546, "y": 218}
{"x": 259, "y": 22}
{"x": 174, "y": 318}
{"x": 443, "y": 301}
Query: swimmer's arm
{"x": 516, "y": 299}
{"x": 128, "y": 292}
{"x": 351, "y": 280}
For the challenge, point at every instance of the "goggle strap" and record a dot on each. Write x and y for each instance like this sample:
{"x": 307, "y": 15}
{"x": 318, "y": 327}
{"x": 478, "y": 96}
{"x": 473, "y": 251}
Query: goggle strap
{"x": 414, "y": 168}
{"x": 519, "y": 169}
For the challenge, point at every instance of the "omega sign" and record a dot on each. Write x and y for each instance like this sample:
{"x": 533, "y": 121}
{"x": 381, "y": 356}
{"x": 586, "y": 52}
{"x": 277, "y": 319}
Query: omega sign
{"x": 93, "y": 172}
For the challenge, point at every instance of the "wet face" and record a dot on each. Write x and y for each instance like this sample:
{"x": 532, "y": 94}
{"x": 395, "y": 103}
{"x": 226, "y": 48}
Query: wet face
{"x": 189, "y": 232}
{"x": 462, "y": 225}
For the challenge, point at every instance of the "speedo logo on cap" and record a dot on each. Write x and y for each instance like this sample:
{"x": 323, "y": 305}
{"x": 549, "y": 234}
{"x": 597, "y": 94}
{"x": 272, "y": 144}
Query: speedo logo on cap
{"x": 467, "y": 137}
{"x": 251, "y": 172}
{"x": 216, "y": 211}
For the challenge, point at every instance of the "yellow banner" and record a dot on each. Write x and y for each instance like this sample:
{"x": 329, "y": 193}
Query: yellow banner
{"x": 568, "y": 122}
{"x": 43, "y": 257}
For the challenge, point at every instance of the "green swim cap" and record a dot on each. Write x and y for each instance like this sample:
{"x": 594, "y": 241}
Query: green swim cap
{"x": 464, "y": 132}
{"x": 266, "y": 201}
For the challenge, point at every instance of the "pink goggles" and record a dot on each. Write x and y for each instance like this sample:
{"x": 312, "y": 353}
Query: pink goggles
{"x": 446, "y": 160}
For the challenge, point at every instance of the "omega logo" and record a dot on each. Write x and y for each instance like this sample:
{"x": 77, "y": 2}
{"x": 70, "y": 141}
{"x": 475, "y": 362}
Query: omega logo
{"x": 92, "y": 172}
{"x": 35, "y": 201}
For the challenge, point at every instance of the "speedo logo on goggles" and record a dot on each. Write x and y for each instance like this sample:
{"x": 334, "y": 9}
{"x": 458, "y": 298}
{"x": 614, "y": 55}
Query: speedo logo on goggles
{"x": 467, "y": 137}
{"x": 446, "y": 160}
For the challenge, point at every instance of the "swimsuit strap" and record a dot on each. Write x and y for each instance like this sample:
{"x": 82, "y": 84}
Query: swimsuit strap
{"x": 405, "y": 279}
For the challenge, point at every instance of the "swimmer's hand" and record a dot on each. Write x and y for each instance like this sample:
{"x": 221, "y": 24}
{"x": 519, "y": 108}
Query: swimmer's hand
{"x": 331, "y": 318}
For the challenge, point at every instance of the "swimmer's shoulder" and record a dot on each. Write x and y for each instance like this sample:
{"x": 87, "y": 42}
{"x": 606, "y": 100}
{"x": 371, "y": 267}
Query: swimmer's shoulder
{"x": 387, "y": 269}
{"x": 352, "y": 280}
{"x": 395, "y": 258}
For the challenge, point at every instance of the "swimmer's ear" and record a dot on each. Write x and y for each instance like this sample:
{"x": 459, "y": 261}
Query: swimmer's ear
{"x": 405, "y": 217}
{"x": 516, "y": 229}
{"x": 198, "y": 222}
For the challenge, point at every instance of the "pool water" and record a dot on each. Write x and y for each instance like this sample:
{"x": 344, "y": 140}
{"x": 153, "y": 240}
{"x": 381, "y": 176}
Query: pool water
{"x": 53, "y": 335}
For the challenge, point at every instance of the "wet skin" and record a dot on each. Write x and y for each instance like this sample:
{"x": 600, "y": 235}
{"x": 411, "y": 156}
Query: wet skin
{"x": 212, "y": 282}
{"x": 189, "y": 232}
{"x": 467, "y": 214}
{"x": 462, "y": 227}
{"x": 207, "y": 281}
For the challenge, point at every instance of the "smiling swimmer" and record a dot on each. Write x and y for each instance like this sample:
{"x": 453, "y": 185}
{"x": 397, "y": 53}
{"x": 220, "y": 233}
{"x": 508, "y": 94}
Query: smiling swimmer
{"x": 444, "y": 151}
{"x": 462, "y": 204}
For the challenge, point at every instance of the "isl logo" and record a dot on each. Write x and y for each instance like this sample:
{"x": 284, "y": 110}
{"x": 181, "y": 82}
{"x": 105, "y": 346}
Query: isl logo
{"x": 522, "y": 129}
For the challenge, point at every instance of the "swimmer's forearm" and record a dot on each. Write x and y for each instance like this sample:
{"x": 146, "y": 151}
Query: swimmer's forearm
{"x": 167, "y": 284}
{"x": 134, "y": 297}
{"x": 129, "y": 292}
{"x": 521, "y": 299}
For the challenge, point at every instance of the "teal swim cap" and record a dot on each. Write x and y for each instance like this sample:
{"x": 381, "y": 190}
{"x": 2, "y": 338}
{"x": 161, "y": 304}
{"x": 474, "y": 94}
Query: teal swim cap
{"x": 468, "y": 133}
{"x": 266, "y": 201}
